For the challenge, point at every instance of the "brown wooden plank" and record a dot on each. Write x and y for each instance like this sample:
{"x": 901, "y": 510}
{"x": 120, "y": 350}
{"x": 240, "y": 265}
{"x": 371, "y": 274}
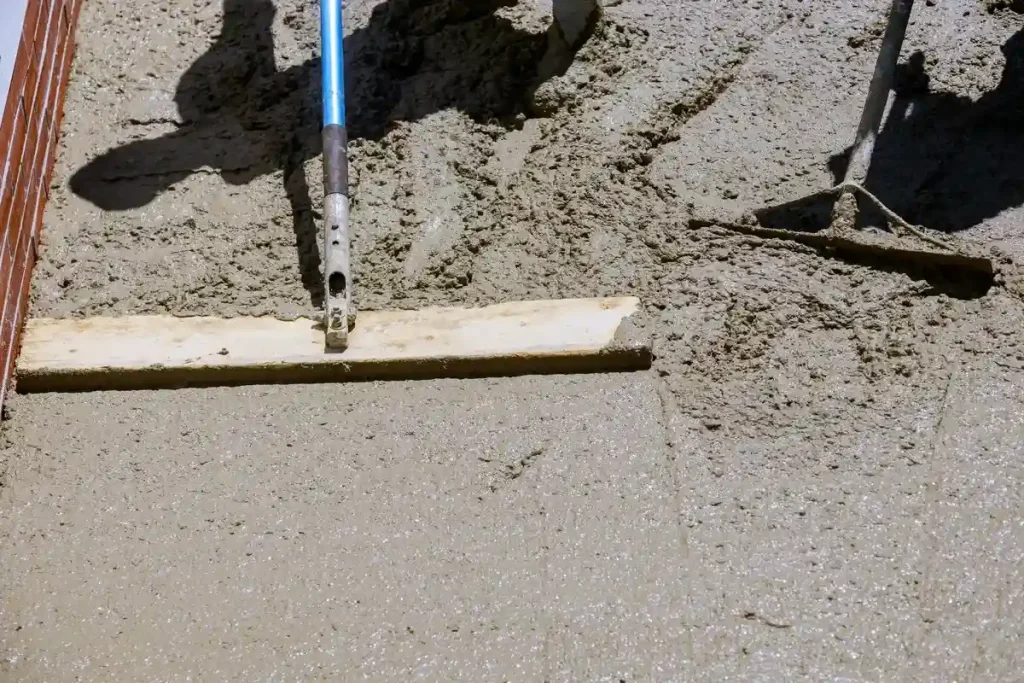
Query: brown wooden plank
{"x": 527, "y": 337}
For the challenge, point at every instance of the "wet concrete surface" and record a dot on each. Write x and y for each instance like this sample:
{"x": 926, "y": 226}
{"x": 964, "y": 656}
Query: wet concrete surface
{"x": 474, "y": 530}
{"x": 819, "y": 479}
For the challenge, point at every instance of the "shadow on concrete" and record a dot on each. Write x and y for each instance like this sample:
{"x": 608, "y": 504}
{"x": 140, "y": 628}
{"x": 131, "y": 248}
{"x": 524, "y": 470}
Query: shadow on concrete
{"x": 243, "y": 118}
{"x": 941, "y": 160}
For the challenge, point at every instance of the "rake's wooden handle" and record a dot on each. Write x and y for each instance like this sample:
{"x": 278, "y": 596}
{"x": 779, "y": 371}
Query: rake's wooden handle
{"x": 878, "y": 92}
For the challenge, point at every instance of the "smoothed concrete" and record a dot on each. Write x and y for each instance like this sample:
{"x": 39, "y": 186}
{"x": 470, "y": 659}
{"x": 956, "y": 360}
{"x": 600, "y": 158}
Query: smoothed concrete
{"x": 456, "y": 530}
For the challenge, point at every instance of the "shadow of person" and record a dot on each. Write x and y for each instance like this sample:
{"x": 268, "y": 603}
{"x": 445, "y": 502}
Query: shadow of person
{"x": 243, "y": 118}
{"x": 943, "y": 160}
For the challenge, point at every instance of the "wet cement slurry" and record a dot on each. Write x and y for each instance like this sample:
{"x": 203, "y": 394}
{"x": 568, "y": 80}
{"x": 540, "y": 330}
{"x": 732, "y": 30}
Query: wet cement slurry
{"x": 820, "y": 479}
{"x": 451, "y": 530}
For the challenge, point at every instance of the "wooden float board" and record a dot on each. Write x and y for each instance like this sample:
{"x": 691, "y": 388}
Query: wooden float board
{"x": 161, "y": 351}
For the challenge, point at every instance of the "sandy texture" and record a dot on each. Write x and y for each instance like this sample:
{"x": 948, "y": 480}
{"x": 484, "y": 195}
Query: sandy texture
{"x": 458, "y": 531}
{"x": 844, "y": 439}
{"x": 479, "y": 176}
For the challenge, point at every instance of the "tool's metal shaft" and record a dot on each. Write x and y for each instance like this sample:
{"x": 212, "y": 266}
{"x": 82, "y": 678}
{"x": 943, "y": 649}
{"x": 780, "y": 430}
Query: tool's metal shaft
{"x": 337, "y": 274}
{"x": 878, "y": 92}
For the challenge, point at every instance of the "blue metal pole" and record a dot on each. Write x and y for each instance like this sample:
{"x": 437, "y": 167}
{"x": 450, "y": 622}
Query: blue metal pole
{"x": 337, "y": 280}
{"x": 332, "y": 35}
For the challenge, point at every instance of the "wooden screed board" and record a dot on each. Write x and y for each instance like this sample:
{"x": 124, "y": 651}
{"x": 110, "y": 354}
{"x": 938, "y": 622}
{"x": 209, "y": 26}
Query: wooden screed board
{"x": 159, "y": 351}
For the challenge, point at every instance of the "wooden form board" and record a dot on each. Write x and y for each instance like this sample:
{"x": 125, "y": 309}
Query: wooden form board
{"x": 531, "y": 337}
